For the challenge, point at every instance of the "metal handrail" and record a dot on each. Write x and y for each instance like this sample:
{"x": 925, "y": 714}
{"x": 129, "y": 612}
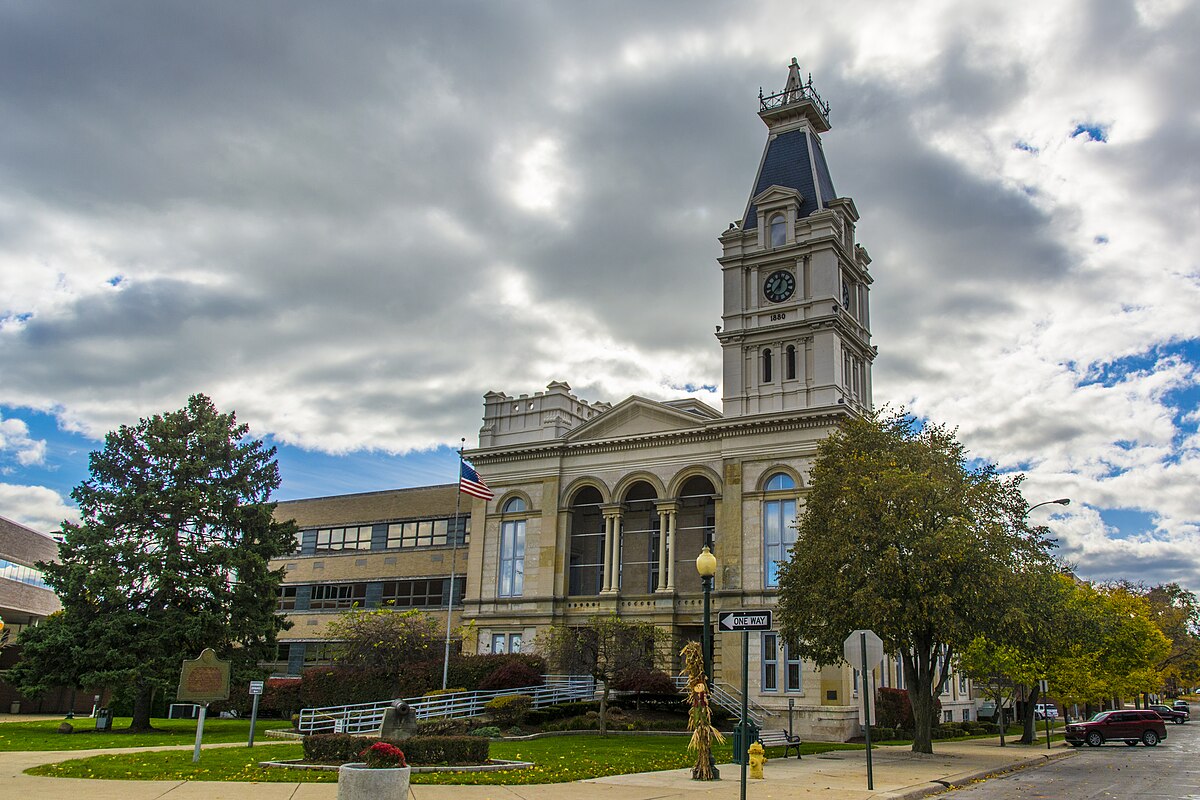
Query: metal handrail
{"x": 367, "y": 718}
{"x": 730, "y": 699}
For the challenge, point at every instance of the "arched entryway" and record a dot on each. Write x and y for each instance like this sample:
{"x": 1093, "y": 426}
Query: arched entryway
{"x": 695, "y": 526}
{"x": 585, "y": 570}
{"x": 639, "y": 540}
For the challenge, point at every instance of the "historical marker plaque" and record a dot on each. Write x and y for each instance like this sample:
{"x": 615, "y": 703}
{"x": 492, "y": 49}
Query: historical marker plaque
{"x": 204, "y": 679}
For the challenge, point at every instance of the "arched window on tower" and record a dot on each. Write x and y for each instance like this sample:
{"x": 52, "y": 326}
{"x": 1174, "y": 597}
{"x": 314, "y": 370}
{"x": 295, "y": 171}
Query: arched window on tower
{"x": 789, "y": 363}
{"x": 779, "y": 518}
{"x": 766, "y": 365}
{"x": 511, "y": 577}
{"x": 778, "y": 230}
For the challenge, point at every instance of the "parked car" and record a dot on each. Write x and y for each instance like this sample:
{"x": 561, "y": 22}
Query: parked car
{"x": 1043, "y": 710}
{"x": 1181, "y": 705}
{"x": 1171, "y": 714}
{"x": 1130, "y": 727}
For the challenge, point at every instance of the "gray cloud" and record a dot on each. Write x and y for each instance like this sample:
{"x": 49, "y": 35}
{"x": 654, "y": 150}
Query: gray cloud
{"x": 349, "y": 222}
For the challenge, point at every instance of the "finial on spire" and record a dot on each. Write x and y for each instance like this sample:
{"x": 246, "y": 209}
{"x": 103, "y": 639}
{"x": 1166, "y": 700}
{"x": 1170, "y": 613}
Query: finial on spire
{"x": 796, "y": 91}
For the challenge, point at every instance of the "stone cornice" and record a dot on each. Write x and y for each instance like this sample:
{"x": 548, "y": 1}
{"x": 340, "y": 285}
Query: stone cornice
{"x": 713, "y": 430}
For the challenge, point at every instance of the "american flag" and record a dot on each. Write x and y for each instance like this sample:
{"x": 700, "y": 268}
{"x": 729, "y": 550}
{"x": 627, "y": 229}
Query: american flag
{"x": 470, "y": 483}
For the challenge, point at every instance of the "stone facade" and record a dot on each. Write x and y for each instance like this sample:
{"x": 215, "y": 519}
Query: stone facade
{"x": 603, "y": 508}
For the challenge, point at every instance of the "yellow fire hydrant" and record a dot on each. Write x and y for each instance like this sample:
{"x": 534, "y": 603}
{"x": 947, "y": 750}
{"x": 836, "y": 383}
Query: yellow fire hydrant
{"x": 756, "y": 760}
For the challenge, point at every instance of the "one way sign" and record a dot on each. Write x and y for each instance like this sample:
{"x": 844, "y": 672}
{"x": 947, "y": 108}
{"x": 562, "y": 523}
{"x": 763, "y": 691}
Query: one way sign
{"x": 744, "y": 620}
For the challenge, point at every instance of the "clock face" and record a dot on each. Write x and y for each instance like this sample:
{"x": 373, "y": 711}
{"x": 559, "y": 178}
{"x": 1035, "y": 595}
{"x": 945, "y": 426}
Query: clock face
{"x": 779, "y": 285}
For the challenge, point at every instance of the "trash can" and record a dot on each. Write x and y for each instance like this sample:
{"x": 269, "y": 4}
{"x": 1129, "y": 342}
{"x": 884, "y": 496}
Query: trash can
{"x": 745, "y": 733}
{"x": 14, "y": 707}
{"x": 103, "y": 719}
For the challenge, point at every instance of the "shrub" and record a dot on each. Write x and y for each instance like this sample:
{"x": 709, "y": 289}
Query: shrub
{"x": 488, "y": 731}
{"x": 340, "y": 748}
{"x": 512, "y": 675}
{"x": 893, "y": 709}
{"x": 440, "y": 692}
{"x": 879, "y": 734}
{"x": 443, "y": 726}
{"x": 281, "y": 697}
{"x": 509, "y": 710}
{"x": 382, "y": 755}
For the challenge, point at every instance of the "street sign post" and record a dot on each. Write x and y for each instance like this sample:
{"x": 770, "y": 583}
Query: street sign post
{"x": 256, "y": 690}
{"x": 864, "y": 650}
{"x": 744, "y": 621}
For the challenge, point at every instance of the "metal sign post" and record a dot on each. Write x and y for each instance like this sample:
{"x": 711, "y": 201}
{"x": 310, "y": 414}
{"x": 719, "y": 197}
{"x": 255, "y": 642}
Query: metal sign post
{"x": 256, "y": 690}
{"x": 202, "y": 681}
{"x": 865, "y": 648}
{"x": 744, "y": 621}
{"x": 1044, "y": 690}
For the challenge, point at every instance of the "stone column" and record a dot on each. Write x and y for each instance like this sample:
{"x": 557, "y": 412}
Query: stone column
{"x": 663, "y": 514}
{"x": 671, "y": 516}
{"x": 608, "y": 546}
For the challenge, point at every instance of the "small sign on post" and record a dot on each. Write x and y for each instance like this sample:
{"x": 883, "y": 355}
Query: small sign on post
{"x": 256, "y": 690}
{"x": 202, "y": 681}
{"x": 864, "y": 650}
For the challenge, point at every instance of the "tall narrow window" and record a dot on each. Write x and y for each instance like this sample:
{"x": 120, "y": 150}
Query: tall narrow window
{"x": 795, "y": 677}
{"x": 770, "y": 662}
{"x": 779, "y": 532}
{"x": 512, "y": 552}
{"x": 766, "y": 372}
{"x": 778, "y": 230}
{"x": 789, "y": 363}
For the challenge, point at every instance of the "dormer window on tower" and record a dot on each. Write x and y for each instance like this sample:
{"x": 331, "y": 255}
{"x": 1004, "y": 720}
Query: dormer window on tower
{"x": 778, "y": 209}
{"x": 778, "y": 230}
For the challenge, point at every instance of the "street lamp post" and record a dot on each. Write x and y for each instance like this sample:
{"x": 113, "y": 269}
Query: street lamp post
{"x": 706, "y": 565}
{"x": 1062, "y": 501}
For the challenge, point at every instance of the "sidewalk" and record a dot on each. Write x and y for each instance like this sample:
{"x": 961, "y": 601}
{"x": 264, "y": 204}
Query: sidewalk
{"x": 899, "y": 775}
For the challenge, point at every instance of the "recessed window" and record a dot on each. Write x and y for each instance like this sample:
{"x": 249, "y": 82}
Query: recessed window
{"x": 511, "y": 580}
{"x": 780, "y": 481}
{"x": 766, "y": 365}
{"x": 789, "y": 363}
{"x": 778, "y": 230}
{"x": 514, "y": 506}
{"x": 778, "y": 526}
{"x": 331, "y": 539}
{"x": 770, "y": 662}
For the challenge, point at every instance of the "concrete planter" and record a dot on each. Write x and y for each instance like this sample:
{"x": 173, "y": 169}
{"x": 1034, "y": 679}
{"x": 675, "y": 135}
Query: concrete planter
{"x": 358, "y": 782}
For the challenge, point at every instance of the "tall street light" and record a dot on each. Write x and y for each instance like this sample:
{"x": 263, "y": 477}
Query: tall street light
{"x": 1062, "y": 501}
{"x": 706, "y": 565}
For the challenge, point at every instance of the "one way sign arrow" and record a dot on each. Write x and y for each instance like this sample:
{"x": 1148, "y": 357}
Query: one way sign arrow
{"x": 759, "y": 620}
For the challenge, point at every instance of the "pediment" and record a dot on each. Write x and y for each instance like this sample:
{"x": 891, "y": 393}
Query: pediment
{"x": 636, "y": 416}
{"x": 777, "y": 195}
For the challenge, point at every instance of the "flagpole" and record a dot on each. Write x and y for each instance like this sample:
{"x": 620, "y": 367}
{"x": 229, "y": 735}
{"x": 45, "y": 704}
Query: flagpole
{"x": 453, "y": 563}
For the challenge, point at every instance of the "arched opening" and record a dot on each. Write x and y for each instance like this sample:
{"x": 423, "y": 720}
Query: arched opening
{"x": 585, "y": 572}
{"x": 766, "y": 365}
{"x": 778, "y": 228}
{"x": 638, "y": 570}
{"x": 695, "y": 527}
{"x": 789, "y": 363}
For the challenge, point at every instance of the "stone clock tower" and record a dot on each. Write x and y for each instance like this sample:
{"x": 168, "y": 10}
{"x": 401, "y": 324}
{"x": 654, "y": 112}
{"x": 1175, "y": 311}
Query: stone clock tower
{"x": 796, "y": 331}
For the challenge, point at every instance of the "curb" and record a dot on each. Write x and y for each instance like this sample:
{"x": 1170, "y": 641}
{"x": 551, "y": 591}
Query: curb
{"x": 958, "y": 781}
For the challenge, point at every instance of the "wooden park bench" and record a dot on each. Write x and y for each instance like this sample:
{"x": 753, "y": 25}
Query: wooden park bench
{"x": 780, "y": 738}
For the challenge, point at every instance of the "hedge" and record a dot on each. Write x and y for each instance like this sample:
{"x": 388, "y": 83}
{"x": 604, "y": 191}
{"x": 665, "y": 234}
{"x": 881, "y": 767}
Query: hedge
{"x": 340, "y": 748}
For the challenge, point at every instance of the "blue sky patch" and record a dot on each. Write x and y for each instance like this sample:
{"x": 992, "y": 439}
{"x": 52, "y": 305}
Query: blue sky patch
{"x": 1101, "y": 239}
{"x": 1094, "y": 131}
{"x": 694, "y": 387}
{"x": 1021, "y": 144}
{"x": 1127, "y": 522}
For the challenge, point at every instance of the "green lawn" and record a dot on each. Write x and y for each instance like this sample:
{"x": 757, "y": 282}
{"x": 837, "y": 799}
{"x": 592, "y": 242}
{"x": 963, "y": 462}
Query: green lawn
{"x": 44, "y": 735}
{"x": 558, "y": 759}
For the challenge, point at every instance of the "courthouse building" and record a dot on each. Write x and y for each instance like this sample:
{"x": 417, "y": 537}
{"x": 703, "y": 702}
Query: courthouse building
{"x": 603, "y": 507}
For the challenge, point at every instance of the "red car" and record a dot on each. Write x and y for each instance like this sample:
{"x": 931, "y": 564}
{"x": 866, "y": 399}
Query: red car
{"x": 1130, "y": 727}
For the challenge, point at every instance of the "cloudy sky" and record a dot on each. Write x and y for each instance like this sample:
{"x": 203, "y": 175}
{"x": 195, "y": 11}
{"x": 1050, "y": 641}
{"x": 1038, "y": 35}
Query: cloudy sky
{"x": 348, "y": 221}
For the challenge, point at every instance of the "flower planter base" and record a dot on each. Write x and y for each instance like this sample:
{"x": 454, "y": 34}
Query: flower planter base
{"x": 359, "y": 782}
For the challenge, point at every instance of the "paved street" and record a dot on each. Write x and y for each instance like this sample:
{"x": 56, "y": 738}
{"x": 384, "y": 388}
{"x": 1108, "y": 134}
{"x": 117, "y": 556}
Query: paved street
{"x": 1170, "y": 771}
